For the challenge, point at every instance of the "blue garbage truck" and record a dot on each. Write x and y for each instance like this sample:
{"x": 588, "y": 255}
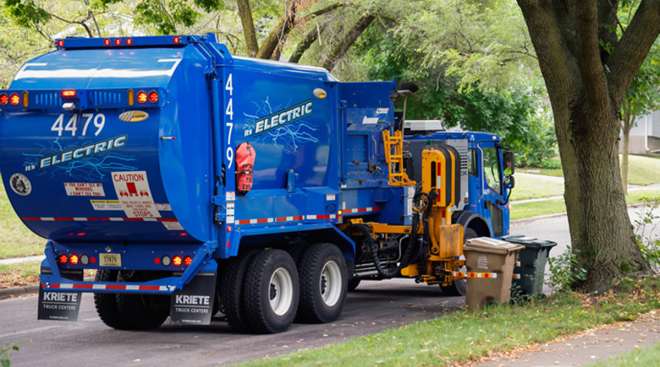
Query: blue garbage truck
{"x": 174, "y": 179}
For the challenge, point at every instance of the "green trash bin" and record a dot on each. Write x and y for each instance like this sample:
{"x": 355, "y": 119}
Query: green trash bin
{"x": 532, "y": 262}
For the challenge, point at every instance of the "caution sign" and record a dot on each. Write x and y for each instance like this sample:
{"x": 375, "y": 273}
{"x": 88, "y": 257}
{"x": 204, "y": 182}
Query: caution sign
{"x": 134, "y": 194}
{"x": 194, "y": 304}
{"x": 61, "y": 306}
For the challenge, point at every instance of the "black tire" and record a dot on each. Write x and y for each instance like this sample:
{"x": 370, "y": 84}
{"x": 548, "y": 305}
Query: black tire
{"x": 459, "y": 287}
{"x": 258, "y": 291}
{"x": 353, "y": 284}
{"x": 130, "y": 311}
{"x": 322, "y": 294}
{"x": 232, "y": 276}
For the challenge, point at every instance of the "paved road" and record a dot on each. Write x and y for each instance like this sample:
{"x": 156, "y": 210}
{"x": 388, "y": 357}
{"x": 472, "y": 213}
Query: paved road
{"x": 376, "y": 306}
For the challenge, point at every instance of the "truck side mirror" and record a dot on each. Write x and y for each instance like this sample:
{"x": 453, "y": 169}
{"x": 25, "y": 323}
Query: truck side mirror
{"x": 509, "y": 163}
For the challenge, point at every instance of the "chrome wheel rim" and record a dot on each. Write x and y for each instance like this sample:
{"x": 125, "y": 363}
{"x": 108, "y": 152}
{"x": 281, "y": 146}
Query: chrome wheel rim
{"x": 330, "y": 283}
{"x": 280, "y": 291}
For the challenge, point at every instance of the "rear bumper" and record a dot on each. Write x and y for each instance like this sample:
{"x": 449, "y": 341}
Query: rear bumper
{"x": 52, "y": 278}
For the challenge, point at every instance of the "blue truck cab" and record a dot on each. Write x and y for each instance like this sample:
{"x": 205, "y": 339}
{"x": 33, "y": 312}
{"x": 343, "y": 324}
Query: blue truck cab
{"x": 192, "y": 181}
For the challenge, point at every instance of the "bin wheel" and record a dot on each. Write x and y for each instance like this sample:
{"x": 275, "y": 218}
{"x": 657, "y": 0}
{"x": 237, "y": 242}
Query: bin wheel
{"x": 323, "y": 283}
{"x": 130, "y": 311}
{"x": 459, "y": 287}
{"x": 353, "y": 284}
{"x": 232, "y": 276}
{"x": 271, "y": 292}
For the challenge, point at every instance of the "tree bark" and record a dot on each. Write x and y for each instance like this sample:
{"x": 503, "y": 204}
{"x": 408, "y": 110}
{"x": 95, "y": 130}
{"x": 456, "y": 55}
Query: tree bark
{"x": 340, "y": 49}
{"x": 584, "y": 99}
{"x": 250, "y": 34}
{"x": 627, "y": 125}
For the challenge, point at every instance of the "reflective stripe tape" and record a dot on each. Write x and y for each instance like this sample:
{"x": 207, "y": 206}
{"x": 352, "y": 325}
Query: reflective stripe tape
{"x": 473, "y": 275}
{"x": 97, "y": 219}
{"x": 116, "y": 287}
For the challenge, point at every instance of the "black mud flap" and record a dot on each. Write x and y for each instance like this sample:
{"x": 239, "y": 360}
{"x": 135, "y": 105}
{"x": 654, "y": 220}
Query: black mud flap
{"x": 60, "y": 306}
{"x": 194, "y": 303}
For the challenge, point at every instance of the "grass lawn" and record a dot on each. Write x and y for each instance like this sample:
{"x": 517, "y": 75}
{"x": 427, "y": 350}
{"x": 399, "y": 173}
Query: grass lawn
{"x": 639, "y": 357}
{"x": 535, "y": 186}
{"x": 643, "y": 170}
{"x": 464, "y": 336}
{"x": 19, "y": 275}
{"x": 15, "y": 239}
{"x": 557, "y": 206}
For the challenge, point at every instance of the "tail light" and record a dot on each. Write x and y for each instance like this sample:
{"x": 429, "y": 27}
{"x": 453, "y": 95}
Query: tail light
{"x": 187, "y": 261}
{"x": 177, "y": 260}
{"x": 153, "y": 96}
{"x": 74, "y": 259}
{"x": 106, "y": 42}
{"x": 118, "y": 42}
{"x": 14, "y": 99}
{"x": 62, "y": 259}
{"x": 142, "y": 97}
{"x": 4, "y": 99}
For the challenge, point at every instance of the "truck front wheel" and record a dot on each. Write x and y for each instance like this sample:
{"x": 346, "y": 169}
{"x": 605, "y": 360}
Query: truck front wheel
{"x": 129, "y": 311}
{"x": 323, "y": 283}
{"x": 271, "y": 292}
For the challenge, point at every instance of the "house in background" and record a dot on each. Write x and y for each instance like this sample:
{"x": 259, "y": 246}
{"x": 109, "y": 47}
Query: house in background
{"x": 645, "y": 135}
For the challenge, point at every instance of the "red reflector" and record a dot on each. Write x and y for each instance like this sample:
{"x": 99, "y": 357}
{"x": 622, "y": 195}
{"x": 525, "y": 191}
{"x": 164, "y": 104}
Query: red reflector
{"x": 187, "y": 261}
{"x": 117, "y": 42}
{"x": 129, "y": 41}
{"x": 177, "y": 260}
{"x": 176, "y": 40}
{"x": 142, "y": 97}
{"x": 153, "y": 97}
{"x": 92, "y": 259}
{"x": 4, "y": 99}
{"x": 14, "y": 99}
{"x": 59, "y": 43}
{"x": 68, "y": 93}
{"x": 106, "y": 42}
{"x": 62, "y": 259}
{"x": 157, "y": 260}
{"x": 73, "y": 260}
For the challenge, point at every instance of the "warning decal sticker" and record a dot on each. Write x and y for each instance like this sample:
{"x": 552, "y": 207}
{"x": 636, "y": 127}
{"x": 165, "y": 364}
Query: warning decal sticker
{"x": 84, "y": 189}
{"x": 134, "y": 194}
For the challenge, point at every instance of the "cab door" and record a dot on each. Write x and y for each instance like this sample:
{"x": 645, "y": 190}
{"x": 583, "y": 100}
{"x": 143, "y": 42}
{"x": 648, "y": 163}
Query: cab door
{"x": 494, "y": 190}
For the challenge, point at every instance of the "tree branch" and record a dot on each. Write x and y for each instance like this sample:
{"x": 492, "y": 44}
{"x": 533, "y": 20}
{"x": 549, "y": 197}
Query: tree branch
{"x": 632, "y": 48}
{"x": 351, "y": 36}
{"x": 278, "y": 34}
{"x": 245, "y": 13}
{"x": 306, "y": 43}
{"x": 588, "y": 55}
{"x": 320, "y": 12}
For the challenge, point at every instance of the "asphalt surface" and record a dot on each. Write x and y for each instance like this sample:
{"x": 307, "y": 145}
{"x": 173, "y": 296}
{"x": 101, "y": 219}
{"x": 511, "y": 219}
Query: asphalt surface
{"x": 374, "y": 307}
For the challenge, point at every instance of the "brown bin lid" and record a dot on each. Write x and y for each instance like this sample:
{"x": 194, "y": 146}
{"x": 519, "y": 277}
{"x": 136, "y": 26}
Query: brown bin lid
{"x": 491, "y": 245}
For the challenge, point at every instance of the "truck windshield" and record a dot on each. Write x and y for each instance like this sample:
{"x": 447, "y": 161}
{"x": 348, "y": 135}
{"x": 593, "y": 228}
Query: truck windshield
{"x": 492, "y": 169}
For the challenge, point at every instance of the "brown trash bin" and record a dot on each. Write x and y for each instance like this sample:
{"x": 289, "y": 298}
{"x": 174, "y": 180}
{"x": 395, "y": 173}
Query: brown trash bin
{"x": 483, "y": 256}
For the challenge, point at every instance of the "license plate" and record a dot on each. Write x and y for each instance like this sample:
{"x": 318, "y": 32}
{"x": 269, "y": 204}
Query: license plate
{"x": 113, "y": 260}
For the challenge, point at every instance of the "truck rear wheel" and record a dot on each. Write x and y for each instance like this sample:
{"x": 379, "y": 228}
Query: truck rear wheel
{"x": 323, "y": 283}
{"x": 271, "y": 291}
{"x": 232, "y": 275}
{"x": 129, "y": 311}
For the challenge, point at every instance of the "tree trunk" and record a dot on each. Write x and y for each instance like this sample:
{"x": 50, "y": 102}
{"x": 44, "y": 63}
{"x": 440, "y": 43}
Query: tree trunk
{"x": 245, "y": 13}
{"x": 628, "y": 120}
{"x": 340, "y": 49}
{"x": 585, "y": 97}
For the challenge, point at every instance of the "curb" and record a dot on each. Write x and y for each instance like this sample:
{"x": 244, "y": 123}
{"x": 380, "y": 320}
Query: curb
{"x": 18, "y": 291}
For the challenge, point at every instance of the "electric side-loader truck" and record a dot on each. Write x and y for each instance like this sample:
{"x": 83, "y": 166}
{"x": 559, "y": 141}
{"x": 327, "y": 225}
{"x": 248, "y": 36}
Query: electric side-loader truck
{"x": 192, "y": 182}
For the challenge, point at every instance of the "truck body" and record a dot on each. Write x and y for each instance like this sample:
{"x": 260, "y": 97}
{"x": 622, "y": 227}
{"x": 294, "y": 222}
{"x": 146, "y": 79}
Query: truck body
{"x": 169, "y": 166}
